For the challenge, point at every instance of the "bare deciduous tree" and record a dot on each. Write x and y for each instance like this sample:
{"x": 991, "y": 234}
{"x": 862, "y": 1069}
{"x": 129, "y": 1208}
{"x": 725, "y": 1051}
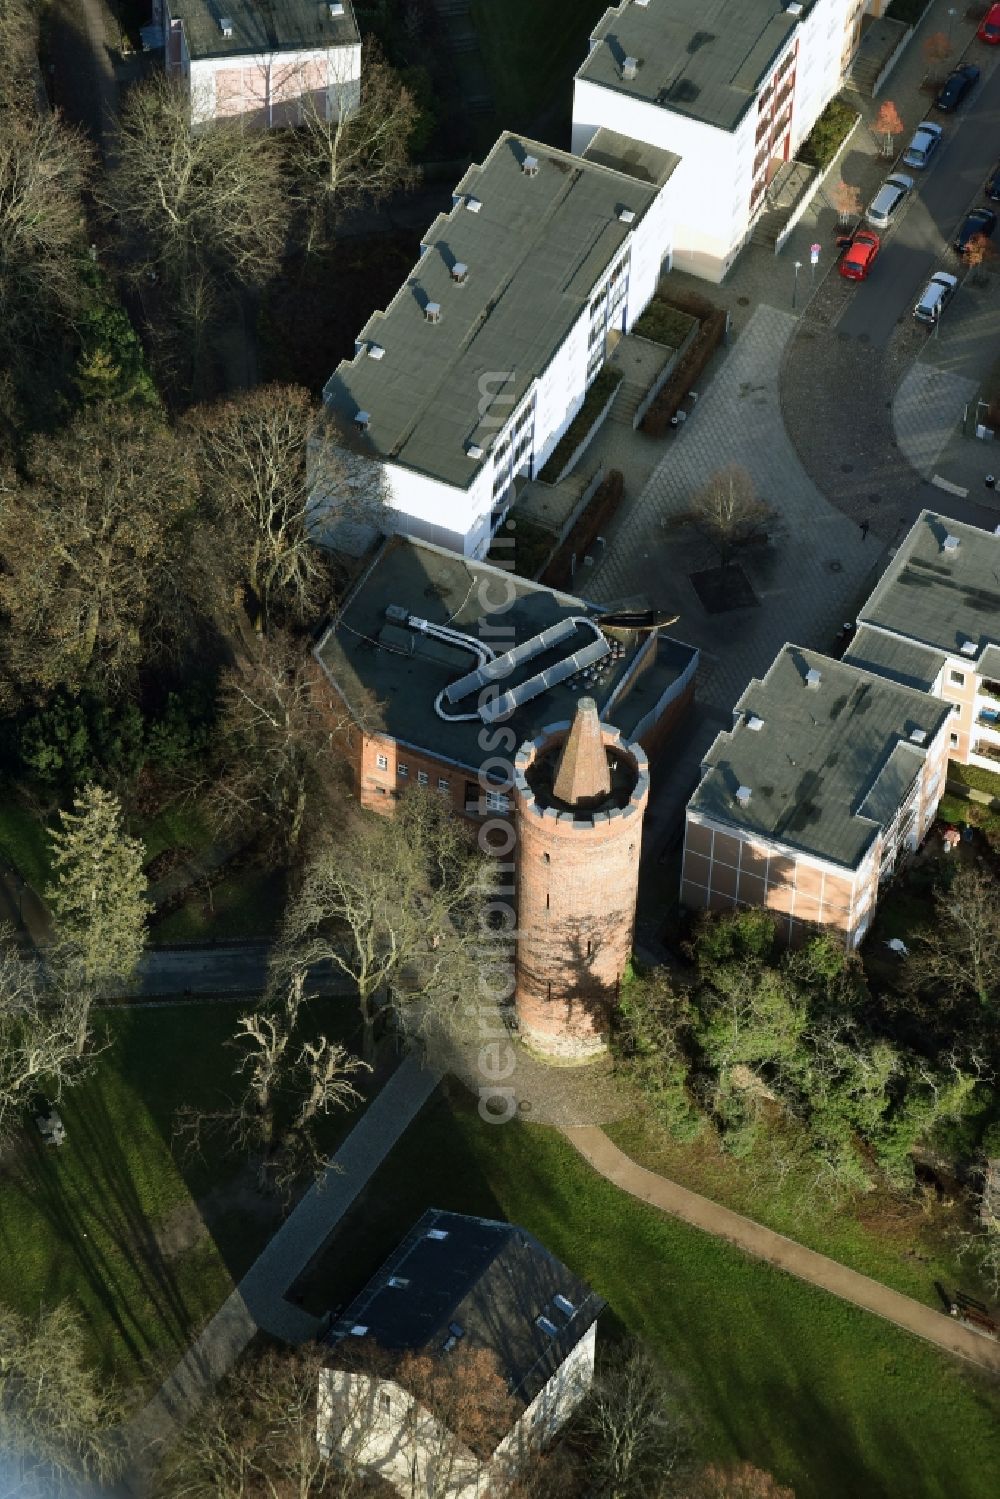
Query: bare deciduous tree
{"x": 94, "y": 551}
{"x": 350, "y": 155}
{"x": 390, "y": 906}
{"x": 728, "y": 511}
{"x": 40, "y": 1029}
{"x": 958, "y": 953}
{"x": 277, "y": 739}
{"x": 56, "y": 1421}
{"x": 937, "y": 49}
{"x": 635, "y": 1431}
{"x": 887, "y": 125}
{"x": 847, "y": 201}
{"x": 461, "y": 1409}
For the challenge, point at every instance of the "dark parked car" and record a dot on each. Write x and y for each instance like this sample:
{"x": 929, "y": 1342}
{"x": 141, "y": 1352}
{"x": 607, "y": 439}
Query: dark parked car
{"x": 979, "y": 224}
{"x": 992, "y": 188}
{"x": 956, "y": 86}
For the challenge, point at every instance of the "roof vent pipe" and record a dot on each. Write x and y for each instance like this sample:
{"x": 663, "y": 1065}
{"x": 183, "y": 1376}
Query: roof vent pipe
{"x": 630, "y": 68}
{"x": 813, "y": 678}
{"x": 226, "y": 27}
{"x": 950, "y": 544}
{"x": 432, "y": 312}
{"x": 743, "y": 795}
{"x": 529, "y": 166}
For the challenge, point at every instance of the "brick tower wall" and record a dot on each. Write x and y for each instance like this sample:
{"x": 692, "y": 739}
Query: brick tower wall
{"x": 577, "y": 882}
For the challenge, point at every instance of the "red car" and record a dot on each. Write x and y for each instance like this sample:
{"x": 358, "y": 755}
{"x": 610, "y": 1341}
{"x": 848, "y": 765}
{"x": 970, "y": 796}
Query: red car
{"x": 859, "y": 255}
{"x": 989, "y": 27}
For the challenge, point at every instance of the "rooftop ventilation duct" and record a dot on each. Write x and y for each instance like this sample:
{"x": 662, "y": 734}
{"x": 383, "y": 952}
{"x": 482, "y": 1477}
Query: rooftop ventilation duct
{"x": 474, "y": 450}
{"x": 336, "y": 9}
{"x": 755, "y": 723}
{"x": 969, "y": 647}
{"x": 226, "y": 27}
{"x": 793, "y": 8}
{"x": 630, "y": 68}
{"x": 432, "y": 312}
{"x": 743, "y": 795}
{"x": 813, "y": 678}
{"x": 918, "y": 736}
{"x": 473, "y": 204}
{"x": 529, "y": 166}
{"x": 950, "y": 544}
{"x": 460, "y": 272}
{"x": 376, "y": 351}
{"x": 362, "y": 419}
{"x": 626, "y": 215}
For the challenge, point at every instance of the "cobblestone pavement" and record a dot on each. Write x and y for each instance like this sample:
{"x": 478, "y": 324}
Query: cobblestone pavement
{"x": 259, "y": 1300}
{"x": 928, "y": 405}
{"x": 808, "y": 1265}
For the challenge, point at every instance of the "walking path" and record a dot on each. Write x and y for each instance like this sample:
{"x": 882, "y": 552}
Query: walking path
{"x": 258, "y": 1302}
{"x": 951, "y": 1336}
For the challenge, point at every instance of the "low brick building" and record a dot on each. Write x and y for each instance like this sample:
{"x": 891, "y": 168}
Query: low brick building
{"x": 829, "y": 774}
{"x": 933, "y": 622}
{"x": 445, "y": 666}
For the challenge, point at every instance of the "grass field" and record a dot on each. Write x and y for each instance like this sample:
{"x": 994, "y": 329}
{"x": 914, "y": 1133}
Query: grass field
{"x": 246, "y": 902}
{"x": 23, "y": 840}
{"x": 833, "y": 1401}
{"x": 531, "y": 49}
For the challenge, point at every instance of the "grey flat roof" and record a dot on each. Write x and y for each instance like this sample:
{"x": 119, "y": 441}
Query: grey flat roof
{"x": 940, "y": 596}
{"x": 489, "y": 1279}
{"x": 262, "y": 25}
{"x": 701, "y": 58}
{"x": 370, "y": 658}
{"x": 829, "y": 765}
{"x": 638, "y": 159}
{"x": 534, "y": 251}
{"x": 889, "y": 656}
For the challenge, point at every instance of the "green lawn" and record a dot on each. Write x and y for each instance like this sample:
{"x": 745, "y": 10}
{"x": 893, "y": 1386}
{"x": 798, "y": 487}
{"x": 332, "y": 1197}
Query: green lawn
{"x": 181, "y": 825}
{"x": 531, "y": 49}
{"x": 101, "y": 1220}
{"x": 246, "y": 902}
{"x": 23, "y": 840}
{"x": 831, "y": 1400}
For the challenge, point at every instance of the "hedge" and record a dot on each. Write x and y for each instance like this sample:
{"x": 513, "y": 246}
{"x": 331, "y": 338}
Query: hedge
{"x": 710, "y": 333}
{"x": 975, "y": 776}
{"x": 828, "y": 134}
{"x": 664, "y": 324}
{"x": 607, "y": 381}
{"x": 907, "y": 11}
{"x": 602, "y": 508}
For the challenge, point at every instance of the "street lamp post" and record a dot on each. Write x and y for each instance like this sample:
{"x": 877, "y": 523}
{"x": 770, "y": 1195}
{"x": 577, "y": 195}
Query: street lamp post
{"x": 795, "y": 284}
{"x": 952, "y": 13}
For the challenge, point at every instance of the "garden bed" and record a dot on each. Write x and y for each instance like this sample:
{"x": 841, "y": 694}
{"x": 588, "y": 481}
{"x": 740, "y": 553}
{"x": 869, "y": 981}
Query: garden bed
{"x": 829, "y": 133}
{"x": 602, "y": 508}
{"x": 582, "y": 428}
{"x": 713, "y": 323}
{"x": 664, "y": 324}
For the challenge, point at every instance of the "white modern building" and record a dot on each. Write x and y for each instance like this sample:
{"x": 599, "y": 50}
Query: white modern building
{"x": 468, "y": 1350}
{"x": 731, "y": 87}
{"x": 473, "y": 373}
{"x": 263, "y": 60}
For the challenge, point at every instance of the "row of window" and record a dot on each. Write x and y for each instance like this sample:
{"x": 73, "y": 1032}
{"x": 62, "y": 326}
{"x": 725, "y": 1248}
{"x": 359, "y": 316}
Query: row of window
{"x": 495, "y": 801}
{"x": 403, "y": 771}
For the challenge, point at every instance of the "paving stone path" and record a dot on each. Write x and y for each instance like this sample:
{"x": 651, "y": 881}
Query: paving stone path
{"x": 806, "y": 1264}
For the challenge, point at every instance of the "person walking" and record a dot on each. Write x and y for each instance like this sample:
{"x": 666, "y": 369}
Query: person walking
{"x": 864, "y": 529}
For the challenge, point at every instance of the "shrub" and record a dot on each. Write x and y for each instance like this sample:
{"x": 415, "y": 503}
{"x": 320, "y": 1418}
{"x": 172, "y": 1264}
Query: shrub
{"x": 597, "y": 396}
{"x": 112, "y": 364}
{"x": 907, "y": 11}
{"x": 664, "y": 324}
{"x": 828, "y": 134}
{"x": 713, "y": 326}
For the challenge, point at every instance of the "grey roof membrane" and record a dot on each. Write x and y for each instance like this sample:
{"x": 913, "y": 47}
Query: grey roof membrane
{"x": 262, "y": 25}
{"x": 369, "y": 657}
{"x": 701, "y": 58}
{"x": 939, "y": 595}
{"x": 533, "y": 250}
{"x": 482, "y": 1283}
{"x": 902, "y": 660}
{"x": 830, "y": 763}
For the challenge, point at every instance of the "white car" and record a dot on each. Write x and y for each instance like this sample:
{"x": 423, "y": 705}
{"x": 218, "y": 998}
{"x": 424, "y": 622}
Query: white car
{"x": 926, "y": 139}
{"x": 888, "y": 200}
{"x": 935, "y": 297}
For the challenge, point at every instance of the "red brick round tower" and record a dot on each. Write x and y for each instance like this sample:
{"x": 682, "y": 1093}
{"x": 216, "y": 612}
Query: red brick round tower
{"x": 580, "y": 797}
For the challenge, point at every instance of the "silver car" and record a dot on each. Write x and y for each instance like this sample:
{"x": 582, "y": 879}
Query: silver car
{"x": 935, "y": 297}
{"x": 888, "y": 200}
{"x": 926, "y": 139}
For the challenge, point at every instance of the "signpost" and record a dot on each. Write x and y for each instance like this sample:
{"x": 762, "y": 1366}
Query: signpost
{"x": 814, "y": 261}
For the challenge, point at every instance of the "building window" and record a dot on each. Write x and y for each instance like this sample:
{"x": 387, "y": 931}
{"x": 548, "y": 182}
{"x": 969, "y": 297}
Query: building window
{"x": 953, "y": 740}
{"x": 957, "y": 677}
{"x": 422, "y": 778}
{"x": 382, "y": 762}
{"x": 496, "y": 801}
{"x": 385, "y": 1401}
{"x": 402, "y": 769}
{"x": 443, "y": 783}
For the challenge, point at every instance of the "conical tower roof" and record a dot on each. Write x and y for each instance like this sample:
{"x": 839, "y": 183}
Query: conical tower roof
{"x": 582, "y": 775}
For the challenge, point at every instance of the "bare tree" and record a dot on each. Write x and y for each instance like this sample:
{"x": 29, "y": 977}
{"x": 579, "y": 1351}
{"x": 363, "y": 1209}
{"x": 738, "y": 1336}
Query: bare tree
{"x": 630, "y": 1418}
{"x": 728, "y": 512}
{"x": 251, "y": 454}
{"x": 40, "y": 1028}
{"x": 257, "y": 1436}
{"x": 937, "y": 49}
{"x": 292, "y": 1083}
{"x": 56, "y": 1420}
{"x": 345, "y": 155}
{"x": 391, "y": 906}
{"x": 277, "y": 738}
{"x": 958, "y": 953}
{"x": 888, "y": 124}
{"x": 205, "y": 211}
{"x": 460, "y": 1411}
{"x": 95, "y": 552}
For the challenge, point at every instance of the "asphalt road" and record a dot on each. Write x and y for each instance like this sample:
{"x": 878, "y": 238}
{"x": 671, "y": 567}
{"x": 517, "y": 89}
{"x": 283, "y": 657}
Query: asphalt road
{"x": 918, "y": 244}
{"x": 238, "y": 969}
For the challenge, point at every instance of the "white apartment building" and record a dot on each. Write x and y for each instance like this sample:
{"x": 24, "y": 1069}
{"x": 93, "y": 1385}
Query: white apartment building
{"x": 263, "y": 59}
{"x": 933, "y": 622}
{"x": 732, "y": 87}
{"x": 472, "y": 374}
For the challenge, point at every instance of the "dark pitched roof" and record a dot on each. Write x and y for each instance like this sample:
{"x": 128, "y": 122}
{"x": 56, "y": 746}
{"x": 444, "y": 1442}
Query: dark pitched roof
{"x": 478, "y": 1282}
{"x": 825, "y": 766}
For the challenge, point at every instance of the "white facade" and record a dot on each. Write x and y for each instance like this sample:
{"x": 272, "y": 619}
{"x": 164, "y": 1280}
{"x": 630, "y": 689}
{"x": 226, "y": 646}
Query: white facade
{"x": 375, "y": 1424}
{"x": 719, "y": 186}
{"x": 465, "y": 518}
{"x": 266, "y": 88}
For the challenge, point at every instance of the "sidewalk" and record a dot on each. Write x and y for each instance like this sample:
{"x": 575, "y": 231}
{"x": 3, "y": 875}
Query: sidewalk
{"x": 806, "y": 1264}
{"x": 258, "y": 1302}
